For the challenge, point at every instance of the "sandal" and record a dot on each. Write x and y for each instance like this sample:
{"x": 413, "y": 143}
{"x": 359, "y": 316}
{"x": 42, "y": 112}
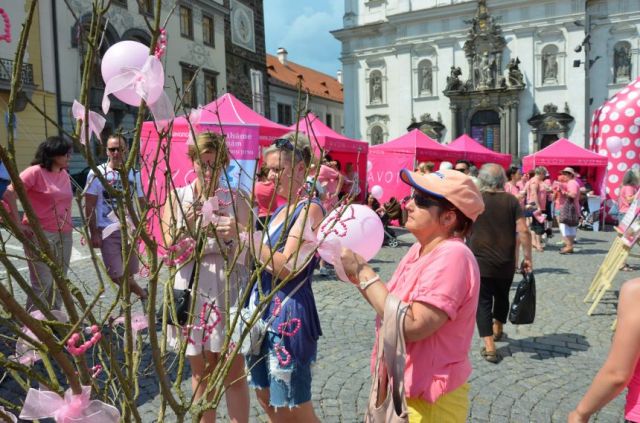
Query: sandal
{"x": 490, "y": 356}
{"x": 627, "y": 268}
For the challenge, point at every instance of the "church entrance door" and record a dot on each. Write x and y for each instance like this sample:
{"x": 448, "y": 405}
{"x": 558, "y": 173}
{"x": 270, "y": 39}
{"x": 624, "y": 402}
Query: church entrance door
{"x": 485, "y": 128}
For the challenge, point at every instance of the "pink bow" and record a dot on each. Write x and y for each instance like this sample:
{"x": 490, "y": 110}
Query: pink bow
{"x": 209, "y": 209}
{"x": 194, "y": 119}
{"x": 148, "y": 84}
{"x": 329, "y": 249}
{"x": 138, "y": 322}
{"x": 70, "y": 409}
{"x": 26, "y": 353}
{"x": 95, "y": 124}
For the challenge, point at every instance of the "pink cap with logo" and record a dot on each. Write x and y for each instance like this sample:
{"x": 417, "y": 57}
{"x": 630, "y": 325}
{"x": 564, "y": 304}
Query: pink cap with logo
{"x": 452, "y": 185}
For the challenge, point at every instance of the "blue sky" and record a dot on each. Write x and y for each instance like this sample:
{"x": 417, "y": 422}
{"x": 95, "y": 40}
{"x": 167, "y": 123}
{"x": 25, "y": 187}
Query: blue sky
{"x": 302, "y": 27}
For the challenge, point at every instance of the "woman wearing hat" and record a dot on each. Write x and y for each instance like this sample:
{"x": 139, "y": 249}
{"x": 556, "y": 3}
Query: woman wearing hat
{"x": 568, "y": 191}
{"x": 439, "y": 280}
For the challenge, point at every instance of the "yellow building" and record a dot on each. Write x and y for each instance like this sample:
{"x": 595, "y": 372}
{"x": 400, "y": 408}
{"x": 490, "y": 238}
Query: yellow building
{"x": 38, "y": 81}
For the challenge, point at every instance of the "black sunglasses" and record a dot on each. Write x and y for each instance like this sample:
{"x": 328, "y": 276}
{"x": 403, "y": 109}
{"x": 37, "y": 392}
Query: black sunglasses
{"x": 423, "y": 201}
{"x": 461, "y": 170}
{"x": 114, "y": 149}
{"x": 285, "y": 144}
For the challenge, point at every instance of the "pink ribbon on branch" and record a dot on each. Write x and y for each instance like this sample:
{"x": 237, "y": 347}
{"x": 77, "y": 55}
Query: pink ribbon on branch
{"x": 26, "y": 353}
{"x": 70, "y": 409}
{"x": 148, "y": 83}
{"x": 139, "y": 321}
{"x": 95, "y": 124}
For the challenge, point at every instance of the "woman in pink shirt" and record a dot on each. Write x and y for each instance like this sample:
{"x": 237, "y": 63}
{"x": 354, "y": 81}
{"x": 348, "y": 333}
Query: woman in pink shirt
{"x": 622, "y": 368}
{"x": 569, "y": 191}
{"x": 48, "y": 188}
{"x": 628, "y": 191}
{"x": 266, "y": 198}
{"x": 440, "y": 280}
{"x": 331, "y": 180}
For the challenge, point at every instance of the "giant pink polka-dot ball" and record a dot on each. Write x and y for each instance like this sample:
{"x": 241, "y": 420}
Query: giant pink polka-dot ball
{"x": 615, "y": 133}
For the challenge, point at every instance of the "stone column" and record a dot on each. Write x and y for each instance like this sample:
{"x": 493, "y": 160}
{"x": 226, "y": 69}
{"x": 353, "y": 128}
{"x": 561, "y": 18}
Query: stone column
{"x": 454, "y": 121}
{"x": 504, "y": 146}
{"x": 513, "y": 135}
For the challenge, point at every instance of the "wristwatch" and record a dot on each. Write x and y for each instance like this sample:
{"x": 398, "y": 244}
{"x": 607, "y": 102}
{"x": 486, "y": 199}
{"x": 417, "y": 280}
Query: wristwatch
{"x": 365, "y": 284}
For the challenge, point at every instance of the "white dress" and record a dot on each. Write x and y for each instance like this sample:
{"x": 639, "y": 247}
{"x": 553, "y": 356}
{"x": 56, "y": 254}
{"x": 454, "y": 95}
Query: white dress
{"x": 212, "y": 285}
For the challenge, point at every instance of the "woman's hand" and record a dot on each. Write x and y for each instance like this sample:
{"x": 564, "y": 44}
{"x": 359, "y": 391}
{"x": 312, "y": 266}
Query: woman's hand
{"x": 227, "y": 229}
{"x": 352, "y": 263}
{"x": 575, "y": 417}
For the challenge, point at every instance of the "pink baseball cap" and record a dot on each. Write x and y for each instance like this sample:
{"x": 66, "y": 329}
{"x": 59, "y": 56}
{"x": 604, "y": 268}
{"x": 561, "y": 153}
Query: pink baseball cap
{"x": 452, "y": 185}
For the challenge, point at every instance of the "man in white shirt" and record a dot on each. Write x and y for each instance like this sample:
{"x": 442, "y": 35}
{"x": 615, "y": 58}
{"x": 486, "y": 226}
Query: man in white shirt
{"x": 105, "y": 229}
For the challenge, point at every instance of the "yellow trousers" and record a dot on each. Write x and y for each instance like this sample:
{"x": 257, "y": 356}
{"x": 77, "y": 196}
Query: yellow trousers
{"x": 452, "y": 407}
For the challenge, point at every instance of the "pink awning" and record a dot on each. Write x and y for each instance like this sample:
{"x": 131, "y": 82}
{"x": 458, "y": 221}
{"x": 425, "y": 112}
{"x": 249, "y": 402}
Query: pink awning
{"x": 477, "y": 153}
{"x": 326, "y": 137}
{"x": 563, "y": 153}
{"x": 421, "y": 146}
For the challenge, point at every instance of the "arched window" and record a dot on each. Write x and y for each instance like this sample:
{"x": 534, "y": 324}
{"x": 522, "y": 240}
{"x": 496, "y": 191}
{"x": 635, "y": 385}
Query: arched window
{"x": 377, "y": 135}
{"x": 425, "y": 78}
{"x": 549, "y": 65}
{"x": 375, "y": 87}
{"x": 622, "y": 62}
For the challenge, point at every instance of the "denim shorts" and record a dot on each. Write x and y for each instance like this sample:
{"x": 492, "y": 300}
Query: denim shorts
{"x": 289, "y": 385}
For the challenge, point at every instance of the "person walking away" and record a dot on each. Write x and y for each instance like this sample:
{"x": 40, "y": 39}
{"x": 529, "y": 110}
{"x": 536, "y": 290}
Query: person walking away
{"x": 439, "y": 279}
{"x": 536, "y": 193}
{"x": 493, "y": 244}
{"x": 101, "y": 212}
{"x": 622, "y": 367}
{"x": 48, "y": 187}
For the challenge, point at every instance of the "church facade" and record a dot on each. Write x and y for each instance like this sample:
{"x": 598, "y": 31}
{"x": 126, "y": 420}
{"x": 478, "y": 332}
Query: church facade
{"x": 513, "y": 74}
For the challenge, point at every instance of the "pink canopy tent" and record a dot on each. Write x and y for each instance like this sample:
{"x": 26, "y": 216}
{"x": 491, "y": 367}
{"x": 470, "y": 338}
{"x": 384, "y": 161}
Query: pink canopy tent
{"x": 343, "y": 149}
{"x": 387, "y": 159}
{"x": 478, "y": 154}
{"x": 562, "y": 153}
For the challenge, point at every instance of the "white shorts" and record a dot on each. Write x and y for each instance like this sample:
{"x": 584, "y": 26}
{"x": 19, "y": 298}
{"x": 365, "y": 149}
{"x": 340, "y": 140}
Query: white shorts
{"x": 568, "y": 230}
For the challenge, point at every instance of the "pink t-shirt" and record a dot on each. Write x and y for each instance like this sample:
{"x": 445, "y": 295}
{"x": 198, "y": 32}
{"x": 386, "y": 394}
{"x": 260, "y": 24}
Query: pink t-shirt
{"x": 50, "y": 195}
{"x": 632, "y": 406}
{"x": 447, "y": 278}
{"x": 623, "y": 203}
{"x": 571, "y": 187}
{"x": 265, "y": 198}
{"x": 536, "y": 188}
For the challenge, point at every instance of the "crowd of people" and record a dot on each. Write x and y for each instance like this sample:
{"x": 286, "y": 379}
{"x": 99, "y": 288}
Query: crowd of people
{"x": 482, "y": 219}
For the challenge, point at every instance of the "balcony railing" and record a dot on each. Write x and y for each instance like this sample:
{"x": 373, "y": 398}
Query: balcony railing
{"x": 6, "y": 70}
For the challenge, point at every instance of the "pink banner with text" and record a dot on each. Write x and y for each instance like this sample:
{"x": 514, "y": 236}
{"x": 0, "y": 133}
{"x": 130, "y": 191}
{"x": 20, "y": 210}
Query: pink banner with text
{"x": 384, "y": 170}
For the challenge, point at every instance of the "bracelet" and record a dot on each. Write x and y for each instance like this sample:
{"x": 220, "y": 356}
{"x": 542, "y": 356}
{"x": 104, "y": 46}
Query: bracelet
{"x": 364, "y": 285}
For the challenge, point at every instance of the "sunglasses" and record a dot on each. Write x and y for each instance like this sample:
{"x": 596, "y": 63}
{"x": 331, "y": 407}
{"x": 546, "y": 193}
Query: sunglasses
{"x": 461, "y": 170}
{"x": 424, "y": 202}
{"x": 285, "y": 144}
{"x": 114, "y": 149}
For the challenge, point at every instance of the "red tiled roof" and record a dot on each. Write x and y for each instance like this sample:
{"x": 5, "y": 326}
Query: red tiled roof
{"x": 319, "y": 84}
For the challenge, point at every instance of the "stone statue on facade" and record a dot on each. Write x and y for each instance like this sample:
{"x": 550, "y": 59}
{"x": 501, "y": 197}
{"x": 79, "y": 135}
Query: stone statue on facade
{"x": 426, "y": 79}
{"x": 453, "y": 80}
{"x": 514, "y": 75}
{"x": 549, "y": 68}
{"x": 376, "y": 88}
{"x": 485, "y": 72}
{"x": 376, "y": 135}
{"x": 621, "y": 64}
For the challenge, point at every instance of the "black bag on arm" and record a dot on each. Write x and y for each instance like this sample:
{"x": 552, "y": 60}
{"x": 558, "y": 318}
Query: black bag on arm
{"x": 523, "y": 307}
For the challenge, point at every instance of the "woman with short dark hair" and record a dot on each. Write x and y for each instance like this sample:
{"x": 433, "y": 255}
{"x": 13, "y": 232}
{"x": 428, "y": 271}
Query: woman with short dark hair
{"x": 48, "y": 187}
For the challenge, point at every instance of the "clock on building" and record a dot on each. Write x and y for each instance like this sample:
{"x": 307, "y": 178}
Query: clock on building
{"x": 242, "y": 26}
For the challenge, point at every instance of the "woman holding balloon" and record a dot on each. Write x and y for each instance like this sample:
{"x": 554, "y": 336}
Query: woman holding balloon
{"x": 440, "y": 280}
{"x": 281, "y": 372}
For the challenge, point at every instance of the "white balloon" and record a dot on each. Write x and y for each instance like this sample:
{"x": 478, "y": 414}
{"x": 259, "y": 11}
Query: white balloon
{"x": 377, "y": 192}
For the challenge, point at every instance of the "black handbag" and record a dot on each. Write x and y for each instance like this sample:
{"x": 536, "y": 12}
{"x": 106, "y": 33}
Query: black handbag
{"x": 182, "y": 302}
{"x": 569, "y": 214}
{"x": 523, "y": 307}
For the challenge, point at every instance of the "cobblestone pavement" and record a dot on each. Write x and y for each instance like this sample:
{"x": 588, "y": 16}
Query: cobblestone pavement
{"x": 546, "y": 368}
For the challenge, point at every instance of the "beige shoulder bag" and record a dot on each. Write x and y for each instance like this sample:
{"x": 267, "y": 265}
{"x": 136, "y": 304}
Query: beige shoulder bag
{"x": 387, "y": 403}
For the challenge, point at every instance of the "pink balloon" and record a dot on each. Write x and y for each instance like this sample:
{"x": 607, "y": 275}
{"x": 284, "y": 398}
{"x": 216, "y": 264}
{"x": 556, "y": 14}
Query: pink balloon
{"x": 377, "y": 192}
{"x": 614, "y": 145}
{"x": 119, "y": 57}
{"x": 358, "y": 228}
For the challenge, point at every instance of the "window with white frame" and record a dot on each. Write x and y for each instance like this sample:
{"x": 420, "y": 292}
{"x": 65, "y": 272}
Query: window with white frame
{"x": 257, "y": 91}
